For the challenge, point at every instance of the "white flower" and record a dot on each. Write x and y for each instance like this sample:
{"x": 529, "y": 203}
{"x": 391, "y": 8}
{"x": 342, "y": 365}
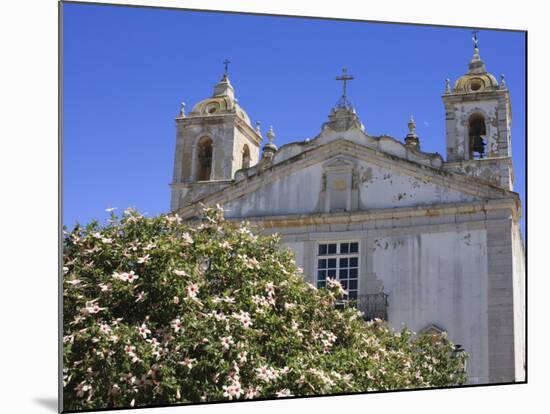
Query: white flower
{"x": 192, "y": 290}
{"x": 227, "y": 341}
{"x": 105, "y": 328}
{"x": 244, "y": 318}
{"x": 334, "y": 283}
{"x": 143, "y": 259}
{"x": 233, "y": 390}
{"x": 187, "y": 238}
{"x": 92, "y": 307}
{"x": 176, "y": 324}
{"x": 265, "y": 373}
{"x": 188, "y": 362}
{"x": 107, "y": 240}
{"x": 270, "y": 288}
{"x": 251, "y": 393}
{"x": 73, "y": 282}
{"x": 242, "y": 356}
{"x": 126, "y": 277}
{"x": 141, "y": 296}
{"x": 106, "y": 287}
{"x": 176, "y": 300}
{"x": 143, "y": 330}
{"x": 284, "y": 393}
{"x": 65, "y": 269}
{"x": 180, "y": 272}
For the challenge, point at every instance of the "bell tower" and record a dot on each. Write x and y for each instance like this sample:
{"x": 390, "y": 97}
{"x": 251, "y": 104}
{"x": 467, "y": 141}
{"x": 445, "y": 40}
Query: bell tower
{"x": 478, "y": 119}
{"x": 213, "y": 141}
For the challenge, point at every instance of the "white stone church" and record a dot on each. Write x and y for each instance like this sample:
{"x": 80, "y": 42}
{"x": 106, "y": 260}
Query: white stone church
{"x": 416, "y": 239}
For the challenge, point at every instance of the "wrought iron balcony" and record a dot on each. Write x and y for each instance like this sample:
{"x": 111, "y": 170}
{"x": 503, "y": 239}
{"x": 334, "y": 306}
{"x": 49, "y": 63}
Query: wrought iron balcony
{"x": 373, "y": 306}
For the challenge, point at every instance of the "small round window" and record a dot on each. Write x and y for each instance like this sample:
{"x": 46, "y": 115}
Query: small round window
{"x": 475, "y": 84}
{"x": 212, "y": 108}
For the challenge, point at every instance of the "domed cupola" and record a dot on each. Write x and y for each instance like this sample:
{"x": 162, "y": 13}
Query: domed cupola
{"x": 477, "y": 79}
{"x": 222, "y": 102}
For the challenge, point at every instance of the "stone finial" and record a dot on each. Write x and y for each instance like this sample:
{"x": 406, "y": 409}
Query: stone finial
{"x": 182, "y": 109}
{"x": 447, "y": 86}
{"x": 502, "y": 81}
{"x": 258, "y": 131}
{"x": 270, "y": 135}
{"x": 412, "y": 125}
{"x": 270, "y": 148}
{"x": 412, "y": 140}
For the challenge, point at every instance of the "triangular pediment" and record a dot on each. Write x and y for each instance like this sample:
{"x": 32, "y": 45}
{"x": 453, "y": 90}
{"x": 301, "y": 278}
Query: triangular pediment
{"x": 343, "y": 176}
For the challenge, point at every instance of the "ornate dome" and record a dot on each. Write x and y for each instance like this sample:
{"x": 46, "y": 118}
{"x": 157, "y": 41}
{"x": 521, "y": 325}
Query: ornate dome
{"x": 477, "y": 79}
{"x": 222, "y": 102}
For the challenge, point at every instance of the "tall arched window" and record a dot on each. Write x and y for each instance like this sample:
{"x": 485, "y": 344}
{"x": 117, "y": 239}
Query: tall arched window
{"x": 246, "y": 157}
{"x": 204, "y": 165}
{"x": 477, "y": 133}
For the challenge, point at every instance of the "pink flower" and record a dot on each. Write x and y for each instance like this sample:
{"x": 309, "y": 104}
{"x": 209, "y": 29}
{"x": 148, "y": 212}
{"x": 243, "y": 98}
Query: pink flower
{"x": 143, "y": 259}
{"x": 244, "y": 318}
{"x": 270, "y": 288}
{"x": 92, "y": 307}
{"x": 143, "y": 330}
{"x": 188, "y": 362}
{"x": 233, "y": 390}
{"x": 227, "y": 341}
{"x": 284, "y": 393}
{"x": 176, "y": 300}
{"x": 187, "y": 238}
{"x": 192, "y": 290}
{"x": 251, "y": 393}
{"x": 242, "y": 356}
{"x": 176, "y": 324}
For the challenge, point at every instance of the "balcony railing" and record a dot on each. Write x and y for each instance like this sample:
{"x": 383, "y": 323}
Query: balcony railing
{"x": 373, "y": 306}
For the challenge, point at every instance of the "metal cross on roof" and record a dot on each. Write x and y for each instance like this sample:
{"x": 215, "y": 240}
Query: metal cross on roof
{"x": 344, "y": 78}
{"x": 226, "y": 63}
{"x": 474, "y": 37}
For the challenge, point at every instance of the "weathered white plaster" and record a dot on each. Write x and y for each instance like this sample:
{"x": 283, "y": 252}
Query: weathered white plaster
{"x": 438, "y": 278}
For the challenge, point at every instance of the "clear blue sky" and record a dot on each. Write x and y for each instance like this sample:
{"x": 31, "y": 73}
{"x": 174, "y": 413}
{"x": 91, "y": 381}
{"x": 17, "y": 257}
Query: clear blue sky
{"x": 126, "y": 70}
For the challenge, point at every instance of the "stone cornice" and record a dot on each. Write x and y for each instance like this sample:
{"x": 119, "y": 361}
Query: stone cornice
{"x": 294, "y": 220}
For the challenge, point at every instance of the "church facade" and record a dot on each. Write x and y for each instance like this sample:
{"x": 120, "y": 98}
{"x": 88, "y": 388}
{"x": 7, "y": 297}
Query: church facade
{"x": 416, "y": 239}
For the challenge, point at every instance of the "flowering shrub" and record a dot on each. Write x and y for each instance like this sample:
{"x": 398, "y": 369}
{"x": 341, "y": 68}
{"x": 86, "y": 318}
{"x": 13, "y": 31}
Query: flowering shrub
{"x": 156, "y": 311}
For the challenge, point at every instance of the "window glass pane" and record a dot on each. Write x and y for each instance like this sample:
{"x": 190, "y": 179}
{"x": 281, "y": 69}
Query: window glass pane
{"x": 332, "y": 263}
{"x": 343, "y": 273}
{"x": 320, "y": 284}
{"x": 344, "y": 248}
{"x": 331, "y": 273}
{"x": 353, "y": 273}
{"x": 344, "y": 284}
{"x": 353, "y": 247}
{"x": 321, "y": 274}
{"x": 332, "y": 249}
{"x": 344, "y": 262}
{"x": 322, "y": 249}
{"x": 352, "y": 295}
{"x": 353, "y": 284}
{"x": 353, "y": 262}
{"x": 322, "y": 263}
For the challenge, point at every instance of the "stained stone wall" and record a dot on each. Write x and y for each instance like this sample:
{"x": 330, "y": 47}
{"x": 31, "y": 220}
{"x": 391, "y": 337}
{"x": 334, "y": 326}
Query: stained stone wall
{"x": 455, "y": 271}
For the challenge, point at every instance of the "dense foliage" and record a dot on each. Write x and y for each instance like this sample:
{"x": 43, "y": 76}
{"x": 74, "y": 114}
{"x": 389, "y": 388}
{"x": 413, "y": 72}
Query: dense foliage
{"x": 156, "y": 311}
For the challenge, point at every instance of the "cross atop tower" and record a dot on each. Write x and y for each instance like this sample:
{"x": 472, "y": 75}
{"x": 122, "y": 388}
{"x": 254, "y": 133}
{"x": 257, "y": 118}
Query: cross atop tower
{"x": 344, "y": 78}
{"x": 474, "y": 37}
{"x": 226, "y": 63}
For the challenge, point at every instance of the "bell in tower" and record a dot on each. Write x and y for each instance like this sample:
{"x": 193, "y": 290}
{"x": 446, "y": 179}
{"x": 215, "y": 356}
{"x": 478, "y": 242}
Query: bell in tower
{"x": 478, "y": 119}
